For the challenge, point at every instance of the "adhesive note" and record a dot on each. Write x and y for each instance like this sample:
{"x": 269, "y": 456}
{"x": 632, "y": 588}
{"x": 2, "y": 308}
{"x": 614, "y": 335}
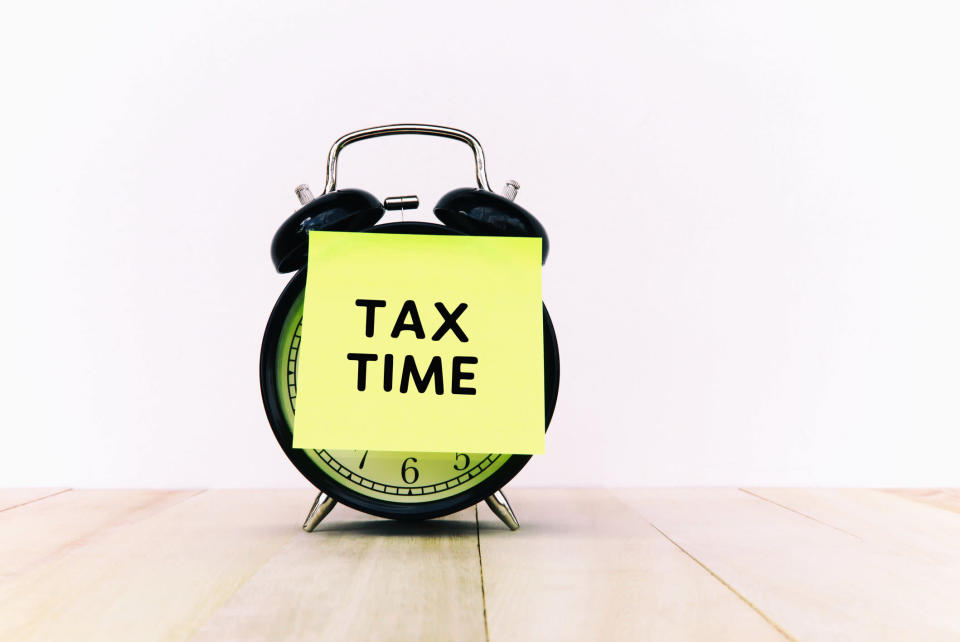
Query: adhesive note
{"x": 424, "y": 343}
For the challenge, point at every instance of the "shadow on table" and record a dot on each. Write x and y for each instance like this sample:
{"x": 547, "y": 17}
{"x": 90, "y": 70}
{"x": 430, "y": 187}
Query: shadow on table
{"x": 389, "y": 527}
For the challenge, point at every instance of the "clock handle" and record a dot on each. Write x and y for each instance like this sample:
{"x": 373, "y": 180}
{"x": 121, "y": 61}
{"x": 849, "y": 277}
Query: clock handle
{"x": 501, "y": 508}
{"x": 322, "y": 506}
{"x": 480, "y": 166}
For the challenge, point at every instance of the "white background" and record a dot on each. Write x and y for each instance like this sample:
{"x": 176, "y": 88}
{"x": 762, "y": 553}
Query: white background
{"x": 753, "y": 210}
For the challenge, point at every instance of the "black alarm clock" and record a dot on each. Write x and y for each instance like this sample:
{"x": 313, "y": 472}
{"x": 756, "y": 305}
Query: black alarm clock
{"x": 398, "y": 485}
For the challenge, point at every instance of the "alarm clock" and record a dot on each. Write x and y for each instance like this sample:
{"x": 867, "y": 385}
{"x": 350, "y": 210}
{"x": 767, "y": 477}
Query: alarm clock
{"x": 397, "y": 485}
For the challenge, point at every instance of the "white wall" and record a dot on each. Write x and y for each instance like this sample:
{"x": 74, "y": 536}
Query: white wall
{"x": 753, "y": 210}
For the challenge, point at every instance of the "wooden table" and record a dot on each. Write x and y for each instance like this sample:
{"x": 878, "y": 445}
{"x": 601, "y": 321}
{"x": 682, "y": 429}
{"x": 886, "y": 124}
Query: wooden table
{"x": 678, "y": 564}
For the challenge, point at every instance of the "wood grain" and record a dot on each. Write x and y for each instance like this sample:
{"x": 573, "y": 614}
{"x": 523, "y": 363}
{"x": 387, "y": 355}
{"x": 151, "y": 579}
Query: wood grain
{"x": 362, "y": 578}
{"x": 818, "y": 577}
{"x": 38, "y": 532}
{"x": 945, "y": 498}
{"x": 905, "y": 529}
{"x": 15, "y": 497}
{"x": 158, "y": 578}
{"x": 707, "y": 564}
{"x": 585, "y": 567}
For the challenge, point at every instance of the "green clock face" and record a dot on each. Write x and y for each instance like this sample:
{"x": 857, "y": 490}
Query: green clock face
{"x": 403, "y": 477}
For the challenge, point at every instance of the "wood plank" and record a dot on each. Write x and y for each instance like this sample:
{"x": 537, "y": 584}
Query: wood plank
{"x": 815, "y": 580}
{"x": 157, "y": 578}
{"x": 887, "y": 521}
{"x": 15, "y": 497}
{"x": 754, "y": 564}
{"x": 40, "y": 531}
{"x": 945, "y": 498}
{"x": 584, "y": 566}
{"x": 363, "y": 578}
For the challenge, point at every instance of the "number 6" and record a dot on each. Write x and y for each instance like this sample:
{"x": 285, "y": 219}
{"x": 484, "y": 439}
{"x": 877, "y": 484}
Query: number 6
{"x": 405, "y": 469}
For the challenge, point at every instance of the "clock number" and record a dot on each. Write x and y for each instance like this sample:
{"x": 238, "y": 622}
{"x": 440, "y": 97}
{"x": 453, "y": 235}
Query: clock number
{"x": 413, "y": 475}
{"x": 466, "y": 461}
{"x": 364, "y": 458}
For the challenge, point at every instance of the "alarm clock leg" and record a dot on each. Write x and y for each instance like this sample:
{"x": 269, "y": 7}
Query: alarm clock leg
{"x": 322, "y": 506}
{"x": 501, "y": 508}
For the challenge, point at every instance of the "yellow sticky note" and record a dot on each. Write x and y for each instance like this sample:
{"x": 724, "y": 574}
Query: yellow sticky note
{"x": 423, "y": 343}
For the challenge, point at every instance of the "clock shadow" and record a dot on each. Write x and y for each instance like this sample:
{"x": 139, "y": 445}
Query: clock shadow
{"x": 395, "y": 528}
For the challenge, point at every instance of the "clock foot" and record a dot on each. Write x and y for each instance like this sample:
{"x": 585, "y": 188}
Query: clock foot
{"x": 322, "y": 506}
{"x": 501, "y": 508}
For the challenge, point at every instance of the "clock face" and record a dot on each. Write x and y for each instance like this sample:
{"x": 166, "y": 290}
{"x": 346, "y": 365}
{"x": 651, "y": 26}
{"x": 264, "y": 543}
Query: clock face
{"x": 400, "y": 477}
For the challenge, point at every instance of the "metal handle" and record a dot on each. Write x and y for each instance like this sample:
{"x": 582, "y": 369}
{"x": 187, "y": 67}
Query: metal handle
{"x": 392, "y": 130}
